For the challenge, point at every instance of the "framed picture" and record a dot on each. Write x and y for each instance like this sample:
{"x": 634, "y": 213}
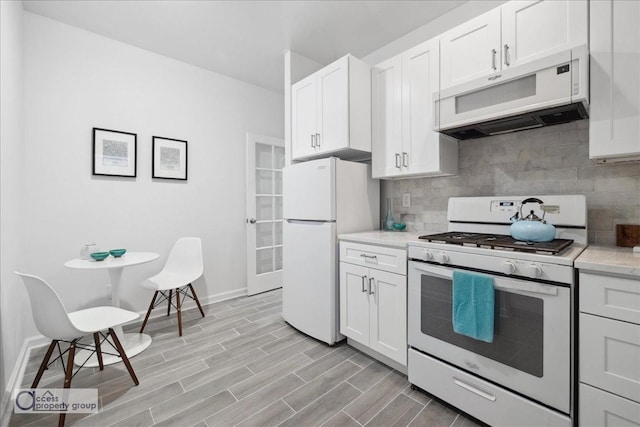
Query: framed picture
{"x": 114, "y": 153}
{"x": 169, "y": 158}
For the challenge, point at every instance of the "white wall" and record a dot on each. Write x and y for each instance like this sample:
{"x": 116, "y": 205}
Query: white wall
{"x": 76, "y": 80}
{"x": 16, "y": 322}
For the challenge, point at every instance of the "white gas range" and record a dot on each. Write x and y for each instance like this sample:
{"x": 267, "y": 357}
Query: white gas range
{"x": 525, "y": 375}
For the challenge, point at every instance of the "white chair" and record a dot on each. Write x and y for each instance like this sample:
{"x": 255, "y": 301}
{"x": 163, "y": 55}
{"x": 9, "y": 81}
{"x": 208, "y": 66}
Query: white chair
{"x": 183, "y": 267}
{"x": 53, "y": 321}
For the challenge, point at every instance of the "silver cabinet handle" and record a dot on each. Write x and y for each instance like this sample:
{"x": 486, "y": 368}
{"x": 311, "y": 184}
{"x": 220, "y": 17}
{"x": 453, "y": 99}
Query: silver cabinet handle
{"x": 364, "y": 279}
{"x": 493, "y": 59}
{"x": 398, "y": 160}
{"x": 318, "y": 140}
{"x": 313, "y": 140}
{"x": 369, "y": 256}
{"x": 405, "y": 159}
{"x": 506, "y": 55}
{"x": 371, "y": 279}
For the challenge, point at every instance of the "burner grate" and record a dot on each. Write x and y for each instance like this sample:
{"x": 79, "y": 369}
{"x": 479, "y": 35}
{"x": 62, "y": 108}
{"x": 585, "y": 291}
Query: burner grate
{"x": 498, "y": 241}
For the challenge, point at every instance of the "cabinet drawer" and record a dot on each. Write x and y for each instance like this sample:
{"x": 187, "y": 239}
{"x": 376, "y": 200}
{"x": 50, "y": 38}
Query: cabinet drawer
{"x": 479, "y": 398}
{"x": 610, "y": 355}
{"x": 614, "y": 297}
{"x": 602, "y": 409}
{"x": 380, "y": 257}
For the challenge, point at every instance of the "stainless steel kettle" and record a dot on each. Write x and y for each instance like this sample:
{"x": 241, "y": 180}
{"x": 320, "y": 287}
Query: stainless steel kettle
{"x": 531, "y": 228}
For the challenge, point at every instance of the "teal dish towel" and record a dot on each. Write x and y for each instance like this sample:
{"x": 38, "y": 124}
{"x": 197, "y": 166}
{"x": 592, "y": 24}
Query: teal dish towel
{"x": 473, "y": 305}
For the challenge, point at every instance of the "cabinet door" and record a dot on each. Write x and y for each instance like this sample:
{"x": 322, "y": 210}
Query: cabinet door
{"x": 386, "y": 95}
{"x": 388, "y": 324}
{"x": 333, "y": 106}
{"x": 354, "y": 302}
{"x": 470, "y": 50}
{"x": 303, "y": 116}
{"x": 533, "y": 29}
{"x": 420, "y": 77}
{"x": 614, "y": 123}
{"x": 601, "y": 409}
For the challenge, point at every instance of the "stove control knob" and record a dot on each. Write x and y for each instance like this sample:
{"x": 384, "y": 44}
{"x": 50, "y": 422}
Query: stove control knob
{"x": 426, "y": 255}
{"x": 442, "y": 258}
{"x": 508, "y": 267}
{"x": 534, "y": 271}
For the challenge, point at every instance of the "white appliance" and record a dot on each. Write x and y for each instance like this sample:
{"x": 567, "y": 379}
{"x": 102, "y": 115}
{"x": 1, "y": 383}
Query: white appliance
{"x": 322, "y": 198}
{"x": 526, "y": 376}
{"x": 549, "y": 91}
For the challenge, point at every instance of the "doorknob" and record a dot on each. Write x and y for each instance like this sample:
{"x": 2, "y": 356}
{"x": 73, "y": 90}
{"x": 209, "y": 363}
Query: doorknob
{"x": 251, "y": 220}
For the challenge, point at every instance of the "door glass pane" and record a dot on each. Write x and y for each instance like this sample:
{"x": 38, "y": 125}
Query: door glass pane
{"x": 264, "y": 207}
{"x": 264, "y": 261}
{"x": 264, "y": 182}
{"x": 277, "y": 189}
{"x": 278, "y": 257}
{"x": 277, "y": 233}
{"x": 278, "y": 157}
{"x": 263, "y": 156}
{"x": 278, "y": 207}
{"x": 518, "y": 326}
{"x": 264, "y": 234}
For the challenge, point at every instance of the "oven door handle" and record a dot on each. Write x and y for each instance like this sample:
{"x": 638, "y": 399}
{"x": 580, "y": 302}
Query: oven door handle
{"x": 498, "y": 282}
{"x": 474, "y": 389}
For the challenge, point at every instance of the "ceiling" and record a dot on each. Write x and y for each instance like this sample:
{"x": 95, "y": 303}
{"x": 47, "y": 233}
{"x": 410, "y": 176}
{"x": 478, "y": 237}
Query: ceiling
{"x": 247, "y": 39}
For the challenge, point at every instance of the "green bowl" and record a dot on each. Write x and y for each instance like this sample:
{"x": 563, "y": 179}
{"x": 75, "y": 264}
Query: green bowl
{"x": 117, "y": 253}
{"x": 399, "y": 226}
{"x": 99, "y": 256}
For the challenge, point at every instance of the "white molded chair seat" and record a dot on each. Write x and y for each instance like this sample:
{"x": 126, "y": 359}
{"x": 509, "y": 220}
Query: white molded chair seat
{"x": 184, "y": 265}
{"x": 54, "y": 322}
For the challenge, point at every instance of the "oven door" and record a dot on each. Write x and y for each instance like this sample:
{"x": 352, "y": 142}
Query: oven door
{"x": 530, "y": 352}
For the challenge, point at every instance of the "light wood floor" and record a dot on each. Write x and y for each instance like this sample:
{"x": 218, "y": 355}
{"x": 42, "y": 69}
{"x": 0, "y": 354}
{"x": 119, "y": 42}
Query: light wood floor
{"x": 243, "y": 365}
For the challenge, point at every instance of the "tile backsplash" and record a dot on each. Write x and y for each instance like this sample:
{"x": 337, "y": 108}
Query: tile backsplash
{"x": 551, "y": 160}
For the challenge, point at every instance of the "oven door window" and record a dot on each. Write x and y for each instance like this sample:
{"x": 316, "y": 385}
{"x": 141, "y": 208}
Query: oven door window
{"x": 518, "y": 330}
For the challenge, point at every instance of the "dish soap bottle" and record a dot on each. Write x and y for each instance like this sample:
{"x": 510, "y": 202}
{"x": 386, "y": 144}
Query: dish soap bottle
{"x": 388, "y": 219}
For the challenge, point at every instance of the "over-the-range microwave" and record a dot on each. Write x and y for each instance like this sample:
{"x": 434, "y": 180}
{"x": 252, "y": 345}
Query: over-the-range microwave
{"x": 548, "y": 91}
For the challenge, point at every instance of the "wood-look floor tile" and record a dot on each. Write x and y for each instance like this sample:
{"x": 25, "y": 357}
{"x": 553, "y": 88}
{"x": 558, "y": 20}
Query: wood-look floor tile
{"x": 369, "y": 376}
{"x": 141, "y": 419}
{"x": 367, "y": 406}
{"x": 463, "y": 421}
{"x": 281, "y": 342}
{"x": 324, "y": 407}
{"x": 418, "y": 395}
{"x": 341, "y": 419}
{"x": 195, "y": 395}
{"x": 251, "y": 334}
{"x": 362, "y": 359}
{"x": 320, "y": 350}
{"x": 264, "y": 362}
{"x": 325, "y": 363}
{"x": 434, "y": 414}
{"x": 320, "y": 385}
{"x": 259, "y": 400}
{"x": 214, "y": 328}
{"x": 199, "y": 347}
{"x": 220, "y": 365}
{"x": 199, "y": 412}
{"x": 398, "y": 413}
{"x": 270, "y": 416}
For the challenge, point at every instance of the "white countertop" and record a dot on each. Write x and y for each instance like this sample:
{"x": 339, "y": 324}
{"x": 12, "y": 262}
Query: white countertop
{"x": 394, "y": 239}
{"x": 610, "y": 259}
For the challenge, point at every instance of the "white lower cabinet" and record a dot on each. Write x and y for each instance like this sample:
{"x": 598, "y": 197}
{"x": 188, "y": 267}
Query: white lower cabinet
{"x": 373, "y": 308}
{"x": 609, "y": 393}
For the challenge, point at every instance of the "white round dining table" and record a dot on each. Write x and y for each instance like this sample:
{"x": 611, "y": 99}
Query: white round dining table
{"x": 132, "y": 343}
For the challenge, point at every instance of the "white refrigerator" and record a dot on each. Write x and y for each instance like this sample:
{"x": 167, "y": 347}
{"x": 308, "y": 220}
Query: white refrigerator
{"x": 322, "y": 198}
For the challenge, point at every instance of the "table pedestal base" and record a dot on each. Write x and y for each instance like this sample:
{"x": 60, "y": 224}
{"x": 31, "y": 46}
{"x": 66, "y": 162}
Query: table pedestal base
{"x": 132, "y": 344}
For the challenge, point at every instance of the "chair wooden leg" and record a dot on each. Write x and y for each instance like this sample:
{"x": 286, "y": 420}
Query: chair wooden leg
{"x": 68, "y": 375}
{"x": 96, "y": 340}
{"x": 153, "y": 301}
{"x": 179, "y": 311}
{"x": 123, "y": 355}
{"x": 195, "y": 297}
{"x": 43, "y": 365}
{"x": 169, "y": 302}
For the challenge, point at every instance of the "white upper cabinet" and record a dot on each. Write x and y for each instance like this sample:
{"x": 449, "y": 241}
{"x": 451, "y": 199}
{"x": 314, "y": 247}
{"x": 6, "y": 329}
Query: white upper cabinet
{"x": 331, "y": 112}
{"x": 518, "y": 32}
{"x": 470, "y": 50}
{"x": 404, "y": 142}
{"x": 614, "y": 125}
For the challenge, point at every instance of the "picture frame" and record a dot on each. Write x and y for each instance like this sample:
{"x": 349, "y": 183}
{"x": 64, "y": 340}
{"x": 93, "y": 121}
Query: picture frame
{"x": 170, "y": 158}
{"x": 114, "y": 153}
